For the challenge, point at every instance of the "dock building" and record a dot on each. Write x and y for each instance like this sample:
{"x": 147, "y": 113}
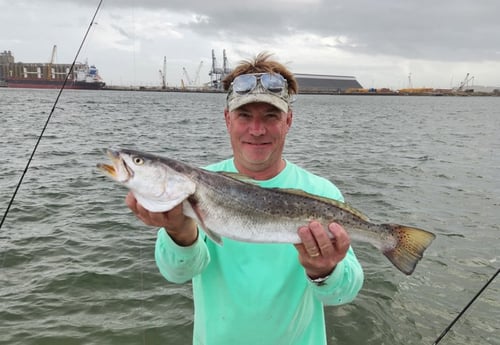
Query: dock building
{"x": 321, "y": 83}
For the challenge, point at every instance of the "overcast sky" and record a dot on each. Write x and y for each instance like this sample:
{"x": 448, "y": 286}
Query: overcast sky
{"x": 379, "y": 42}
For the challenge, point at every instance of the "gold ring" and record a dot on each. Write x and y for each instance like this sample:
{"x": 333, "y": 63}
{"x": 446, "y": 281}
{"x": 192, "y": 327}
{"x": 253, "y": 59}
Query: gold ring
{"x": 314, "y": 255}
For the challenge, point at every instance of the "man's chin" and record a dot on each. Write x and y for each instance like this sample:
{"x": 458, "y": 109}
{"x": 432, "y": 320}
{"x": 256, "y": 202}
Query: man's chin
{"x": 256, "y": 160}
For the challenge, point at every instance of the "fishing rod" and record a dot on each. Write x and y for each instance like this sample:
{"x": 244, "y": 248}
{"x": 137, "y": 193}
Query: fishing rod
{"x": 447, "y": 329}
{"x": 92, "y": 22}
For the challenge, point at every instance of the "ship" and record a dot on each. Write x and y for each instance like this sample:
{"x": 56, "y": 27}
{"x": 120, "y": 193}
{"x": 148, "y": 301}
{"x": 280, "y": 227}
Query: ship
{"x": 49, "y": 75}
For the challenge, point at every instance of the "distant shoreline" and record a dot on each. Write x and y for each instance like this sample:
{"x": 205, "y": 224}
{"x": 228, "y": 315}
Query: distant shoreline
{"x": 308, "y": 92}
{"x": 364, "y": 92}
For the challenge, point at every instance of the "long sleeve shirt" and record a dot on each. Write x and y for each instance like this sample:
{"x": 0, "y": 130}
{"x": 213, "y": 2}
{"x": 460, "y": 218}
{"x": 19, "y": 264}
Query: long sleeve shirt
{"x": 252, "y": 293}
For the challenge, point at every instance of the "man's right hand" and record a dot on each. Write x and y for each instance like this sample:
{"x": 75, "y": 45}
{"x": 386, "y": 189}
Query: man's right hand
{"x": 182, "y": 229}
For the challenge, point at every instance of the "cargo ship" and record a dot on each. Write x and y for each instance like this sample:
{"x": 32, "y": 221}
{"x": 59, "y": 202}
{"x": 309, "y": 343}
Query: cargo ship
{"x": 47, "y": 75}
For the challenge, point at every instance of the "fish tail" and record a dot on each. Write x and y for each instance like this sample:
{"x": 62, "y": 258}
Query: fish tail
{"x": 409, "y": 247}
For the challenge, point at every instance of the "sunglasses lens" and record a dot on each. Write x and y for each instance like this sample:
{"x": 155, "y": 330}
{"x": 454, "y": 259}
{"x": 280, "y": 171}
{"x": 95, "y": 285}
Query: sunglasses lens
{"x": 273, "y": 82}
{"x": 244, "y": 83}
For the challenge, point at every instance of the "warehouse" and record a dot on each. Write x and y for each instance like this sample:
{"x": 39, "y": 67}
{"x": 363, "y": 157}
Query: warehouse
{"x": 319, "y": 83}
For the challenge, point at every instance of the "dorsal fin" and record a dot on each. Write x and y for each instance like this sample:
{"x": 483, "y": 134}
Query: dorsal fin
{"x": 336, "y": 203}
{"x": 239, "y": 177}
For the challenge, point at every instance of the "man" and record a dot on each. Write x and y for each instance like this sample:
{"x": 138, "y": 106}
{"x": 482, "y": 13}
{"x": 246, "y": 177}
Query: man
{"x": 248, "y": 293}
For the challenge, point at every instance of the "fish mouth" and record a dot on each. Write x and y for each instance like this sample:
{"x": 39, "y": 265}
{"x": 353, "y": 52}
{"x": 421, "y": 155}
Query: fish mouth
{"x": 119, "y": 170}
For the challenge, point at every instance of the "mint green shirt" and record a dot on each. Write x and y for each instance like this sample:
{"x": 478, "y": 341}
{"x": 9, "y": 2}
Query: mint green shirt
{"x": 258, "y": 294}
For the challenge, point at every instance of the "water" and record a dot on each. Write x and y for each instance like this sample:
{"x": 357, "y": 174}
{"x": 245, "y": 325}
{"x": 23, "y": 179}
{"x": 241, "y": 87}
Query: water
{"x": 77, "y": 268}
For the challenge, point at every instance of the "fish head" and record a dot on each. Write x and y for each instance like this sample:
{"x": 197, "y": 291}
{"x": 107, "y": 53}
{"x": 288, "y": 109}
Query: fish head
{"x": 155, "y": 185}
{"x": 119, "y": 170}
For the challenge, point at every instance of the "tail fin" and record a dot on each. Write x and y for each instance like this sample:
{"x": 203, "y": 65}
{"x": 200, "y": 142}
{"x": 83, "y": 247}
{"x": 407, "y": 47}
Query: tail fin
{"x": 409, "y": 248}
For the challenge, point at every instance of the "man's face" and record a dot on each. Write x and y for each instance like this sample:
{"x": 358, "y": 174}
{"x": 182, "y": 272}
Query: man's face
{"x": 257, "y": 132}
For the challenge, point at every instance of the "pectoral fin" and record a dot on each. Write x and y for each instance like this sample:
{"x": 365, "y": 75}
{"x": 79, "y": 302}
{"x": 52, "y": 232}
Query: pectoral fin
{"x": 191, "y": 209}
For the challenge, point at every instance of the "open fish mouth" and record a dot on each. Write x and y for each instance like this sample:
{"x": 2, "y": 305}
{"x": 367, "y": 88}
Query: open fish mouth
{"x": 119, "y": 171}
{"x": 108, "y": 169}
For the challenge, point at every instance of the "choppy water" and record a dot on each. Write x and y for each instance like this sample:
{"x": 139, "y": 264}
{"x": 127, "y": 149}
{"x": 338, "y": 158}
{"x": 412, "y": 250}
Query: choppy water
{"x": 77, "y": 268}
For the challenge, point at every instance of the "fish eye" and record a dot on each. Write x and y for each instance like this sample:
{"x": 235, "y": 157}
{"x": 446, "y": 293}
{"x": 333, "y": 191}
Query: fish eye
{"x": 138, "y": 160}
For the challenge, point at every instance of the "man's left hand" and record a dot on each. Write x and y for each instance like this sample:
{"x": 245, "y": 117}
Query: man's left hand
{"x": 318, "y": 252}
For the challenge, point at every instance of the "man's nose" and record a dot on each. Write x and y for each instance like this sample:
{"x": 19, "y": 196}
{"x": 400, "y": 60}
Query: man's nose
{"x": 257, "y": 127}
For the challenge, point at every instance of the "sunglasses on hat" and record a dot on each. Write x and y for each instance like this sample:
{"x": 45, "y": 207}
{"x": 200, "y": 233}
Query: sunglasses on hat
{"x": 272, "y": 82}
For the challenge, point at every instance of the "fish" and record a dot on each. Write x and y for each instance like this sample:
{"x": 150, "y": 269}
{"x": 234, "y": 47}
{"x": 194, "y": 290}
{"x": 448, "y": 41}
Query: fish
{"x": 229, "y": 205}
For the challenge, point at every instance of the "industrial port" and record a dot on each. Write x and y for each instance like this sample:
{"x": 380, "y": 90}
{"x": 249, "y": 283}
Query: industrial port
{"x": 85, "y": 76}
{"x": 308, "y": 84}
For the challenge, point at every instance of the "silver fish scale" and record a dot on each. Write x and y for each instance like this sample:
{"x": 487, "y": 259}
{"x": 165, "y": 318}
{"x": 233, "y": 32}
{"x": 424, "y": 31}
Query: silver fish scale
{"x": 229, "y": 203}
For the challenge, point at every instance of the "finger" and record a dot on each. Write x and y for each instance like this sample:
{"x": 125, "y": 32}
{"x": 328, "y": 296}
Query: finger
{"x": 140, "y": 209}
{"x": 131, "y": 202}
{"x": 136, "y": 208}
{"x": 322, "y": 239}
{"x": 157, "y": 218}
{"x": 309, "y": 242}
{"x": 342, "y": 239}
{"x": 143, "y": 214}
{"x": 176, "y": 211}
{"x": 301, "y": 249}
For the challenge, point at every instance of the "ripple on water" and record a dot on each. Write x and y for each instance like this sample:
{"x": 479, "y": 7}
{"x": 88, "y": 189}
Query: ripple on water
{"x": 78, "y": 268}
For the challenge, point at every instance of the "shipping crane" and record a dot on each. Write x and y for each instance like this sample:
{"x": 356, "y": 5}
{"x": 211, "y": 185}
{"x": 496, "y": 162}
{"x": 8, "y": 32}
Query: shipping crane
{"x": 192, "y": 82}
{"x": 53, "y": 56}
{"x": 50, "y": 74}
{"x": 225, "y": 63}
{"x": 464, "y": 85}
{"x": 163, "y": 74}
{"x": 217, "y": 74}
{"x": 186, "y": 75}
{"x": 197, "y": 75}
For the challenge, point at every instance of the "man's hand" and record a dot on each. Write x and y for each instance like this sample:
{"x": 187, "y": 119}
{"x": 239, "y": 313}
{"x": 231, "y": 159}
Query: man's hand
{"x": 181, "y": 229}
{"x": 318, "y": 253}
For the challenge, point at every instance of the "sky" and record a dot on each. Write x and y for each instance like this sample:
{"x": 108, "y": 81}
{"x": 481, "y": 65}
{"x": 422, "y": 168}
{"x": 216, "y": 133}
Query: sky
{"x": 384, "y": 43}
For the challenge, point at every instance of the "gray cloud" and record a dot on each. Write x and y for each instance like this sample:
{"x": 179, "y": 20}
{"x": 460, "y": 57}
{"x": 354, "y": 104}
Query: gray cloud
{"x": 378, "y": 41}
{"x": 456, "y": 30}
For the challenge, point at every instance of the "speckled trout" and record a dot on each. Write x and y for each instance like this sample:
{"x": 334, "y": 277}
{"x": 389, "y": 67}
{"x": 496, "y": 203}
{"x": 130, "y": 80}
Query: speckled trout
{"x": 229, "y": 205}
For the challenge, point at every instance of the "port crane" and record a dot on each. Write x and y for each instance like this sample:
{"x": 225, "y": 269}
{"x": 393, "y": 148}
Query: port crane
{"x": 163, "y": 74}
{"x": 197, "y": 74}
{"x": 191, "y": 82}
{"x": 50, "y": 72}
{"x": 186, "y": 75}
{"x": 217, "y": 74}
{"x": 464, "y": 85}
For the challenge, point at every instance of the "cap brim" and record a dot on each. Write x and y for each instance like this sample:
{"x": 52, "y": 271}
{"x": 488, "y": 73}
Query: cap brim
{"x": 241, "y": 100}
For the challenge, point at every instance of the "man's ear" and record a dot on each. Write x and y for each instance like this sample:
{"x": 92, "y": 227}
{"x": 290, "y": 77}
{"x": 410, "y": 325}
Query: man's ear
{"x": 289, "y": 118}
{"x": 227, "y": 117}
